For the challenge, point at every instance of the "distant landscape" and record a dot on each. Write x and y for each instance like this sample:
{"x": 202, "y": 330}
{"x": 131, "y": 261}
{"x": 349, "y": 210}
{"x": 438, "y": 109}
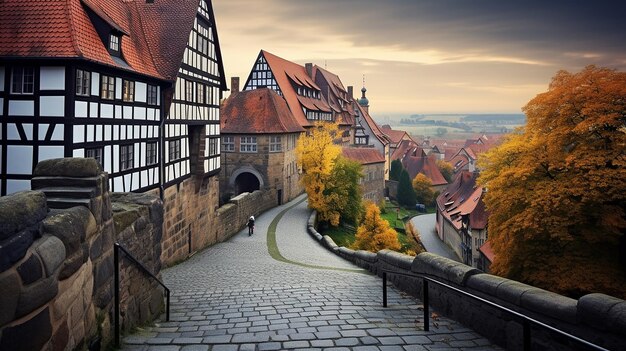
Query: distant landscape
{"x": 454, "y": 126}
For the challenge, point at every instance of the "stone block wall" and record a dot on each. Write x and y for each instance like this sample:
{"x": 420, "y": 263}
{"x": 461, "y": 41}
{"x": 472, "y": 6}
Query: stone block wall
{"x": 138, "y": 220}
{"x": 190, "y": 222}
{"x": 234, "y": 215}
{"x": 597, "y": 318}
{"x": 56, "y": 259}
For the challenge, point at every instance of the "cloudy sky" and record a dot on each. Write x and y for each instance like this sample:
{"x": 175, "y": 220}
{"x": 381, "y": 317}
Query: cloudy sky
{"x": 429, "y": 56}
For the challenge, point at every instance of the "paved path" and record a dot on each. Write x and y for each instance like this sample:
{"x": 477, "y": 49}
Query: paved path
{"x": 280, "y": 290}
{"x": 425, "y": 225}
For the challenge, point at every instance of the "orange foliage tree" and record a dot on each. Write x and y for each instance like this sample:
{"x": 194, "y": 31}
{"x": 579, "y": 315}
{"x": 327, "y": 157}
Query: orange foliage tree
{"x": 423, "y": 189}
{"x": 374, "y": 233}
{"x": 557, "y": 188}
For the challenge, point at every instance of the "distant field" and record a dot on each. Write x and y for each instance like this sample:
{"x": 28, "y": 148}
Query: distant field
{"x": 417, "y": 130}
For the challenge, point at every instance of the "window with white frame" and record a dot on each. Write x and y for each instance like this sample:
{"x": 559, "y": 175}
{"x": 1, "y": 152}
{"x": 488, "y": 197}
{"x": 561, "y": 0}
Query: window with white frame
{"x": 276, "y": 144}
{"x": 128, "y": 91}
{"x": 95, "y": 153}
{"x": 229, "y": 143}
{"x": 127, "y": 155}
{"x": 248, "y": 144}
{"x": 189, "y": 91}
{"x": 151, "y": 153}
{"x": 22, "y": 80}
{"x": 114, "y": 42}
{"x": 107, "y": 85}
{"x": 83, "y": 82}
{"x": 200, "y": 93}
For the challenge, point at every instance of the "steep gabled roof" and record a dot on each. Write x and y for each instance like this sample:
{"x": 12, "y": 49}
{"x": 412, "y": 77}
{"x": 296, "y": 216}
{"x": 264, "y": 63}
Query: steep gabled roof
{"x": 463, "y": 197}
{"x": 154, "y": 35}
{"x": 406, "y": 147}
{"x": 487, "y": 251}
{"x": 363, "y": 155}
{"x": 378, "y": 134}
{"x": 395, "y": 136}
{"x": 259, "y": 111}
{"x": 287, "y": 73}
{"x": 425, "y": 165}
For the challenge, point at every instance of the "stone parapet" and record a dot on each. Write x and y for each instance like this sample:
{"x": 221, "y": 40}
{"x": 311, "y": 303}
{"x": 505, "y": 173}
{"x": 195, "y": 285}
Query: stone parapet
{"x": 598, "y": 318}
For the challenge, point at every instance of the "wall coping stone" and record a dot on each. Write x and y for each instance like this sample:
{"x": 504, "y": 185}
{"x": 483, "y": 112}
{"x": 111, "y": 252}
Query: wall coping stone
{"x": 396, "y": 259}
{"x": 366, "y": 256}
{"x": 68, "y": 167}
{"x": 329, "y": 243}
{"x": 21, "y": 210}
{"x": 550, "y": 304}
{"x": 603, "y": 312}
{"x": 441, "y": 267}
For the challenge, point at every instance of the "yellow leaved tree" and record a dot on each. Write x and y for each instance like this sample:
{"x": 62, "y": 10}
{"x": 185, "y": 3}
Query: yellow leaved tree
{"x": 374, "y": 233}
{"x": 557, "y": 188}
{"x": 317, "y": 155}
{"x": 423, "y": 189}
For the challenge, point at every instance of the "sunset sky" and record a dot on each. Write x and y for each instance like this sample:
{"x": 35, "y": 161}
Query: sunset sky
{"x": 429, "y": 56}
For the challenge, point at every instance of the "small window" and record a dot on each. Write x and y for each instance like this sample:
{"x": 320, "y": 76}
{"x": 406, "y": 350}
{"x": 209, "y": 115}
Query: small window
{"x": 174, "y": 150}
{"x": 126, "y": 157}
{"x": 114, "y": 43}
{"x": 128, "y": 92}
{"x": 200, "y": 93}
{"x": 107, "y": 90}
{"x": 248, "y": 144}
{"x": 22, "y": 80}
{"x": 152, "y": 95}
{"x": 83, "y": 82}
{"x": 213, "y": 146}
{"x": 151, "y": 153}
{"x": 189, "y": 91}
{"x": 276, "y": 144}
{"x": 229, "y": 143}
{"x": 96, "y": 153}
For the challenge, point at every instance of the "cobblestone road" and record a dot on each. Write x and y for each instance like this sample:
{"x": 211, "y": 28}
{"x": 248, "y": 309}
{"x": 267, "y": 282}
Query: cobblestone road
{"x": 280, "y": 290}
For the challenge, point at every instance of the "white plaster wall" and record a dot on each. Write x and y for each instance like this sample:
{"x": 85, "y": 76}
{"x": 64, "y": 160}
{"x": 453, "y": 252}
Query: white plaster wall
{"x": 52, "y": 106}
{"x": 52, "y": 78}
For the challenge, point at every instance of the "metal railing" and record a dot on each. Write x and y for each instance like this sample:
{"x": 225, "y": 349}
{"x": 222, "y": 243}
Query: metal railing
{"x": 526, "y": 321}
{"x": 116, "y": 261}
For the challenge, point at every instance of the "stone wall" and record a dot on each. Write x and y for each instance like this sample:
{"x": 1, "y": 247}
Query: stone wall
{"x": 234, "y": 215}
{"x": 190, "y": 222}
{"x": 598, "y": 318}
{"x": 56, "y": 259}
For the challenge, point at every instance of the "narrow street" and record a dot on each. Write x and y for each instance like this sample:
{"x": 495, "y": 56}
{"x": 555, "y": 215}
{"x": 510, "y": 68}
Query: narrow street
{"x": 425, "y": 225}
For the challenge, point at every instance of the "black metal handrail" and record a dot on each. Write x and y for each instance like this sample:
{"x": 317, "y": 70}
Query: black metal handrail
{"x": 526, "y": 321}
{"x": 116, "y": 261}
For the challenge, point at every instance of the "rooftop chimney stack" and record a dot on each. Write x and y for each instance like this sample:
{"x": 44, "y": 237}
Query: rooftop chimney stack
{"x": 350, "y": 92}
{"x": 234, "y": 85}
{"x": 309, "y": 69}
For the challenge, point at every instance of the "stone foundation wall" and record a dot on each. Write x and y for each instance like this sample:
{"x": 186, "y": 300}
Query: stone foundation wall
{"x": 234, "y": 215}
{"x": 598, "y": 318}
{"x": 190, "y": 223}
{"x": 56, "y": 259}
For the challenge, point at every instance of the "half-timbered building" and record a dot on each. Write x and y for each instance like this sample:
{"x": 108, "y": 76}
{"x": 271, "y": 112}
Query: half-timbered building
{"x": 134, "y": 84}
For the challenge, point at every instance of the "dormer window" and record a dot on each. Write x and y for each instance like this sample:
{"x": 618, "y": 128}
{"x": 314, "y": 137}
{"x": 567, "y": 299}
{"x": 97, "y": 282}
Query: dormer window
{"x": 114, "y": 43}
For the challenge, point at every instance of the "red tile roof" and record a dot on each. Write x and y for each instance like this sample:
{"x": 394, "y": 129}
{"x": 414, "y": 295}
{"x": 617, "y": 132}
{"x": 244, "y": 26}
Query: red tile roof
{"x": 260, "y": 111}
{"x": 285, "y": 72}
{"x": 363, "y": 155}
{"x": 406, "y": 147}
{"x": 395, "y": 136}
{"x": 427, "y": 165}
{"x": 153, "y": 42}
{"x": 487, "y": 251}
{"x": 463, "y": 197}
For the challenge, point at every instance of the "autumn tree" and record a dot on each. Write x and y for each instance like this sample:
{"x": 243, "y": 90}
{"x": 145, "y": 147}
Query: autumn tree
{"x": 317, "y": 154}
{"x": 342, "y": 192}
{"x": 423, "y": 189}
{"x": 557, "y": 188}
{"x": 446, "y": 169}
{"x": 396, "y": 170}
{"x": 406, "y": 194}
{"x": 374, "y": 233}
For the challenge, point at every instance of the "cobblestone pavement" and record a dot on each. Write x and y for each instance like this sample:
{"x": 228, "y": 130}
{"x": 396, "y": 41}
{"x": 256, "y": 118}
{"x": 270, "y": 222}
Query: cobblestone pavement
{"x": 236, "y": 296}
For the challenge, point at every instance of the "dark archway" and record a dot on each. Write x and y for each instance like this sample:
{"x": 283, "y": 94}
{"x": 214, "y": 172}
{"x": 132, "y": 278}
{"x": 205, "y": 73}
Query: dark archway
{"x": 247, "y": 182}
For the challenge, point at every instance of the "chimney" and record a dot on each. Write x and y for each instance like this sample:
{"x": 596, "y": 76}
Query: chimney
{"x": 309, "y": 69}
{"x": 234, "y": 85}
{"x": 350, "y": 92}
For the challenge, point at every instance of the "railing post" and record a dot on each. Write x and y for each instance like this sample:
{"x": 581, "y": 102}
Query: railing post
{"x": 384, "y": 289}
{"x": 167, "y": 313}
{"x": 116, "y": 287}
{"x": 426, "y": 304}
{"x": 526, "y": 335}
